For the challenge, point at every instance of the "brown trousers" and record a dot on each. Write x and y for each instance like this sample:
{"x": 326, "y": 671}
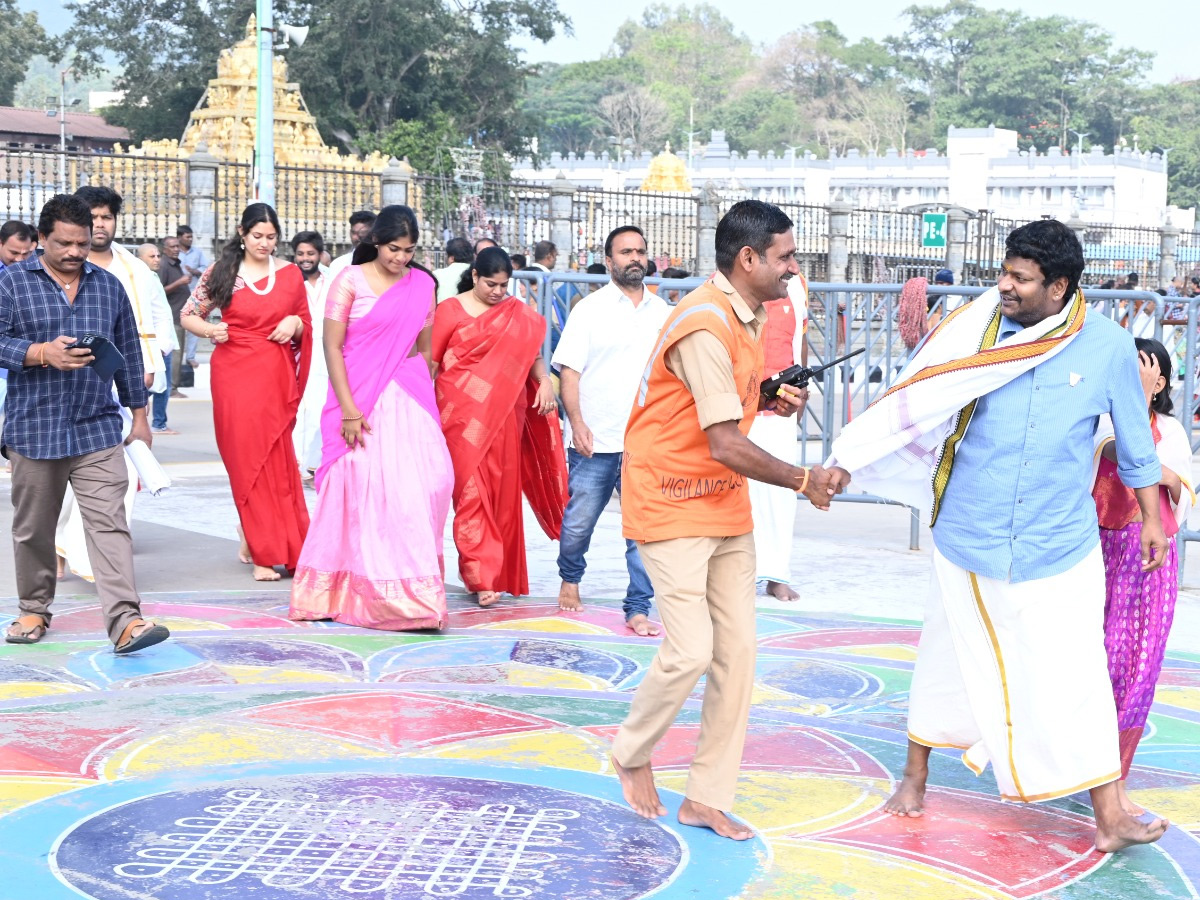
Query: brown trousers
{"x": 705, "y": 593}
{"x": 99, "y": 480}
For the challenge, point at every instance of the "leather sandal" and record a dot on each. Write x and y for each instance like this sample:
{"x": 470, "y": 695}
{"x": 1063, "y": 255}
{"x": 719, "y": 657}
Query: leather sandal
{"x": 149, "y": 635}
{"x": 19, "y": 634}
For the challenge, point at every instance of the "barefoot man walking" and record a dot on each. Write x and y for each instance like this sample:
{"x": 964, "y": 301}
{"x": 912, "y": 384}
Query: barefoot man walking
{"x": 989, "y": 431}
{"x": 600, "y": 356}
{"x": 686, "y": 503}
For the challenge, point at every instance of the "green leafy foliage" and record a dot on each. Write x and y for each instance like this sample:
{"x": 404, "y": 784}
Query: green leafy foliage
{"x": 21, "y": 38}
{"x": 365, "y": 66}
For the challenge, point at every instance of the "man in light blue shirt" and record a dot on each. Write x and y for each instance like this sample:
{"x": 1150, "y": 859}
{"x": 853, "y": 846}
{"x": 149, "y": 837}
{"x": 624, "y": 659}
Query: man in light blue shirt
{"x": 1011, "y": 667}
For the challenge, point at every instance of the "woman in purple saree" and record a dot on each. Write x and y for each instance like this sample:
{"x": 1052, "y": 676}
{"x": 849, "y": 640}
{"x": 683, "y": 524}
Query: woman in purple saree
{"x": 373, "y": 556}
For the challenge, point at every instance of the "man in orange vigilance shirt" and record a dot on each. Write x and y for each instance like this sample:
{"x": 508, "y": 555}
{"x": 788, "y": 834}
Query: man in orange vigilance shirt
{"x": 686, "y": 502}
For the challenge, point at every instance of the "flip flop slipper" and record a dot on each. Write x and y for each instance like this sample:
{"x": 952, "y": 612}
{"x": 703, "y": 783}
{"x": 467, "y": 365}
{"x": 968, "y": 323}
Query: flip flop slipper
{"x": 148, "y": 637}
{"x": 32, "y": 636}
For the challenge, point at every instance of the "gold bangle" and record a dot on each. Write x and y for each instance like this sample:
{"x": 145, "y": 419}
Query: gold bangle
{"x": 804, "y": 483}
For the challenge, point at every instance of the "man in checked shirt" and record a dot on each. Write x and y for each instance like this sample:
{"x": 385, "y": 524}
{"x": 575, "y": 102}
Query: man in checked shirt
{"x": 63, "y": 426}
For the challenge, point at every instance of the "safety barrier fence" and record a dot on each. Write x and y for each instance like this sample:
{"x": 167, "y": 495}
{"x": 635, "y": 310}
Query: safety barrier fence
{"x": 834, "y": 243}
{"x": 852, "y": 316}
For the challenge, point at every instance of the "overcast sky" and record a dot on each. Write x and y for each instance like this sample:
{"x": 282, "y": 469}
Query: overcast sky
{"x": 1170, "y": 30}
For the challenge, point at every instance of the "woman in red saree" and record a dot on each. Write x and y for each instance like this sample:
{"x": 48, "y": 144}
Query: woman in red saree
{"x": 259, "y": 368}
{"x": 496, "y": 400}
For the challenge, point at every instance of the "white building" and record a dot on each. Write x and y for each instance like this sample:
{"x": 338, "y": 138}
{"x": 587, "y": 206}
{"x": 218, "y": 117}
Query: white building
{"x": 982, "y": 168}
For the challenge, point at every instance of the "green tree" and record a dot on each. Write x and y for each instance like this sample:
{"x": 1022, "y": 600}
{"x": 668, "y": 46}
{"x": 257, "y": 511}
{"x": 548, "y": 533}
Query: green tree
{"x": 691, "y": 56}
{"x": 21, "y": 38}
{"x": 967, "y": 66}
{"x": 1170, "y": 118}
{"x": 563, "y": 102}
{"x": 365, "y": 66}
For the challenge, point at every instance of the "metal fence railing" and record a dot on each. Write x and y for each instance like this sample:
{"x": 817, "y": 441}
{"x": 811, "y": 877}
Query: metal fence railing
{"x": 986, "y": 235}
{"x": 853, "y": 316}
{"x": 886, "y": 246}
{"x": 669, "y": 221}
{"x": 1114, "y": 251}
{"x": 514, "y": 215}
{"x": 303, "y": 201}
{"x": 234, "y": 191}
{"x": 154, "y": 189}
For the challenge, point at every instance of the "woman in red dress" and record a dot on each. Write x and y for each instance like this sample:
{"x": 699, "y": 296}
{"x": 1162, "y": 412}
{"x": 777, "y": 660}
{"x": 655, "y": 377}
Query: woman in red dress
{"x": 259, "y": 368}
{"x": 496, "y": 402}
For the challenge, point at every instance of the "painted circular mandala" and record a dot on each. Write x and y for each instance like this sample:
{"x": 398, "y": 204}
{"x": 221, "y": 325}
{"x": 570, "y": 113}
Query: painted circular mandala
{"x": 374, "y": 836}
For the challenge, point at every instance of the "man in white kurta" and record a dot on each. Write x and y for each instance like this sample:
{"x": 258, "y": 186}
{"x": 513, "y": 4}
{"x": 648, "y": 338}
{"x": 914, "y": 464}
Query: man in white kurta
{"x": 784, "y": 344}
{"x": 307, "y": 247}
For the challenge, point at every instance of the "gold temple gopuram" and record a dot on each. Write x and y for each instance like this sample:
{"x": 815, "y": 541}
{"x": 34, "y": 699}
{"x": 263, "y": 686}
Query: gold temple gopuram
{"x": 224, "y": 119}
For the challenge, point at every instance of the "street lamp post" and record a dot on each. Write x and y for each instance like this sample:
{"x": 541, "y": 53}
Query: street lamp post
{"x": 264, "y": 132}
{"x": 62, "y": 128}
{"x": 1079, "y": 136}
{"x": 792, "y": 172}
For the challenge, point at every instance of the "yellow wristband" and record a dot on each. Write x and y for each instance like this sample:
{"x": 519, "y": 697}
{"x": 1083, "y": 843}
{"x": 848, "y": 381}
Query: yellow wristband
{"x": 804, "y": 483}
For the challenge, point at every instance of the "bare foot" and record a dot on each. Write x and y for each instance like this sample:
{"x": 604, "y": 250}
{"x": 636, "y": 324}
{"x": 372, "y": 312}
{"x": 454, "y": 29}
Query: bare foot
{"x": 1130, "y": 808}
{"x": 1126, "y": 832}
{"x": 781, "y": 591}
{"x": 488, "y": 598}
{"x": 909, "y": 799}
{"x": 641, "y": 626}
{"x": 638, "y": 787}
{"x": 568, "y": 597}
{"x": 265, "y": 573}
{"x": 244, "y": 550}
{"x": 700, "y": 816}
{"x": 62, "y": 568}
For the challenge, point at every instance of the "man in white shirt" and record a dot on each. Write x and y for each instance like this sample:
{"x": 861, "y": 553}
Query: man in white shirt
{"x": 360, "y": 226}
{"x": 601, "y": 356}
{"x": 307, "y": 247}
{"x": 459, "y": 257}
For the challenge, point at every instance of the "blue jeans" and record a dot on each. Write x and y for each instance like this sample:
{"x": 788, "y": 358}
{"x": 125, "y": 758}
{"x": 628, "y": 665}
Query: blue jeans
{"x": 591, "y": 483}
{"x": 191, "y": 343}
{"x": 158, "y": 402}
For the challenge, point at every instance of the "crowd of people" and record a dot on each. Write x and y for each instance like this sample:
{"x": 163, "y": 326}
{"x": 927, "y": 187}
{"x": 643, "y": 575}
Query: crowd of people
{"x": 1035, "y": 438}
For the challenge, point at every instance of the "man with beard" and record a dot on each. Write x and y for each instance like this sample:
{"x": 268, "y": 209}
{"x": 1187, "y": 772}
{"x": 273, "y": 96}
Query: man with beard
{"x": 601, "y": 355}
{"x": 153, "y": 315}
{"x": 686, "y": 464}
{"x": 307, "y": 247}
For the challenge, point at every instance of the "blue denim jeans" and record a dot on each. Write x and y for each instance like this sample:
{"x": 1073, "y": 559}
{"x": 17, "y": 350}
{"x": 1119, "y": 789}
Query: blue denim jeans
{"x": 158, "y": 402}
{"x": 591, "y": 483}
{"x": 191, "y": 343}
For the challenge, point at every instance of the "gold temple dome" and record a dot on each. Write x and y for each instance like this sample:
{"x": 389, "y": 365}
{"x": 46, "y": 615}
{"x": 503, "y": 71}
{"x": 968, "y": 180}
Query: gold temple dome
{"x": 667, "y": 172}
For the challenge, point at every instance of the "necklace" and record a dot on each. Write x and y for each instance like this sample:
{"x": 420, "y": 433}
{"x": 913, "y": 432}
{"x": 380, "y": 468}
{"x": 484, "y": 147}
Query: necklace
{"x": 270, "y": 278}
{"x": 65, "y": 285}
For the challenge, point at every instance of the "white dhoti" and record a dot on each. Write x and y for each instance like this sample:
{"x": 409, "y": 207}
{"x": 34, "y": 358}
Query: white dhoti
{"x": 306, "y": 436}
{"x": 774, "y": 508}
{"x": 69, "y": 539}
{"x": 1017, "y": 675}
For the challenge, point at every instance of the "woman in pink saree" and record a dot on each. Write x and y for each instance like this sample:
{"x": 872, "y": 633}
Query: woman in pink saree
{"x": 373, "y": 556}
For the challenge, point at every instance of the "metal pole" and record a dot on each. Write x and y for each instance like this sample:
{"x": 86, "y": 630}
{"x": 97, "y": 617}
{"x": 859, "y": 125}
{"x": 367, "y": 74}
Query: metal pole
{"x": 264, "y": 132}
{"x": 62, "y": 131}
